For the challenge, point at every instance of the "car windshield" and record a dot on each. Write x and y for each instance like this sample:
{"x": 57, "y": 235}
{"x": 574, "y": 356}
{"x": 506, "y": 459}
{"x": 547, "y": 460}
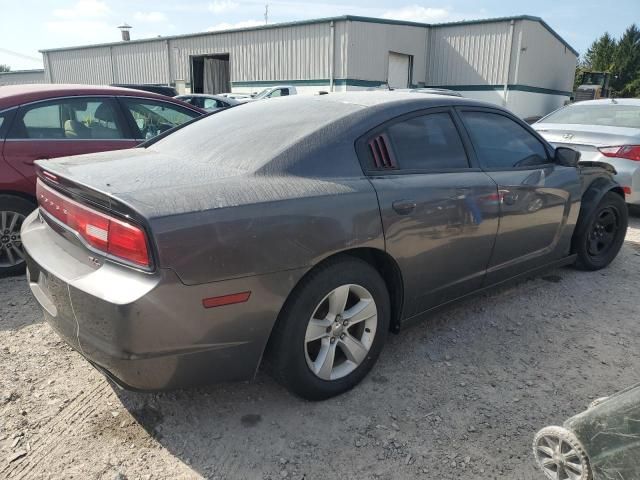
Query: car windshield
{"x": 610, "y": 114}
{"x": 263, "y": 93}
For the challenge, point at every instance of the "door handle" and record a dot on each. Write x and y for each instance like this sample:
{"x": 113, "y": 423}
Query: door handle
{"x": 404, "y": 207}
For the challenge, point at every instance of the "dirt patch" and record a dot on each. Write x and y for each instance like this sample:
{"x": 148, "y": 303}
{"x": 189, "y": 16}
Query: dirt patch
{"x": 459, "y": 396}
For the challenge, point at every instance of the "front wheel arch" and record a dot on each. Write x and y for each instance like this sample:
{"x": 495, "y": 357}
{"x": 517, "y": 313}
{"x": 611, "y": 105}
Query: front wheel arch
{"x": 591, "y": 198}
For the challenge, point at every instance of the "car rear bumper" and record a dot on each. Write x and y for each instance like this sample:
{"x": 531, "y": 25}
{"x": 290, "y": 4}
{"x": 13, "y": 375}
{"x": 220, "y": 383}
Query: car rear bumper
{"x": 150, "y": 331}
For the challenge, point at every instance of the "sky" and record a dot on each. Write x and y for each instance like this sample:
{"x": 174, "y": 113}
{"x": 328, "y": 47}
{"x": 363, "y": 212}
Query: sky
{"x": 27, "y": 26}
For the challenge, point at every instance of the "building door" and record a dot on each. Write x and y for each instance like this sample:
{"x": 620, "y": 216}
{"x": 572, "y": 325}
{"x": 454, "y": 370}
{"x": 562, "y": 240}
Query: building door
{"x": 399, "y": 74}
{"x": 210, "y": 74}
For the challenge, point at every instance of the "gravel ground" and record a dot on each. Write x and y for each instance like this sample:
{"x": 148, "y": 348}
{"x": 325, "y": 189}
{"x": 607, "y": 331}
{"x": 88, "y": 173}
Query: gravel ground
{"x": 459, "y": 396}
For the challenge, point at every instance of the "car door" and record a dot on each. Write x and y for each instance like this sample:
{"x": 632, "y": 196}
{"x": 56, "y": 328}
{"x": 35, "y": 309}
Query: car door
{"x": 438, "y": 210}
{"x": 148, "y": 117}
{"x": 537, "y": 197}
{"x": 64, "y": 127}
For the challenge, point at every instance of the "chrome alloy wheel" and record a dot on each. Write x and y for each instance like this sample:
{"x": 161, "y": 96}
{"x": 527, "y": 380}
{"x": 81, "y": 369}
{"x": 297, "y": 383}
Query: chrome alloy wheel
{"x": 560, "y": 455}
{"x": 340, "y": 332}
{"x": 10, "y": 242}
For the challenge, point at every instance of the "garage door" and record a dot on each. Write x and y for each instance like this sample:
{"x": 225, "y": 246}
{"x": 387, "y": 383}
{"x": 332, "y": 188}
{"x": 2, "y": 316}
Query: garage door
{"x": 399, "y": 70}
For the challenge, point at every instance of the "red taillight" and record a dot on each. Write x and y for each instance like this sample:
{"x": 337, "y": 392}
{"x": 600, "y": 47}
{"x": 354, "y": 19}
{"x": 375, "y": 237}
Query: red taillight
{"x": 629, "y": 152}
{"x": 103, "y": 232}
{"x": 627, "y": 190}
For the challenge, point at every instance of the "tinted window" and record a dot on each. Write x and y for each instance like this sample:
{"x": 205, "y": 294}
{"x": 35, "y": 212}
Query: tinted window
{"x": 428, "y": 142}
{"x": 152, "y": 117}
{"x": 75, "y": 118}
{"x": 501, "y": 143}
{"x": 276, "y": 93}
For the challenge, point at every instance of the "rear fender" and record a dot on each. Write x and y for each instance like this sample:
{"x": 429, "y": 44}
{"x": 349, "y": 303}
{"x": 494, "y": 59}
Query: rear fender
{"x": 592, "y": 197}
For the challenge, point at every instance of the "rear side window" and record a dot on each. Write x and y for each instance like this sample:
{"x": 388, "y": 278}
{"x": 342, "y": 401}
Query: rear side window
{"x": 5, "y": 121}
{"x": 71, "y": 119}
{"x": 152, "y": 117}
{"x": 428, "y": 142}
{"x": 501, "y": 143}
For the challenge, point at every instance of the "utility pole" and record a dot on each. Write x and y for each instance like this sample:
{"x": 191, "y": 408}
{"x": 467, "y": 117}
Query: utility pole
{"x": 266, "y": 13}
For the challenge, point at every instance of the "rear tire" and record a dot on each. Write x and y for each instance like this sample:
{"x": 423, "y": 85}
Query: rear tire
{"x": 13, "y": 211}
{"x": 601, "y": 240}
{"x": 331, "y": 330}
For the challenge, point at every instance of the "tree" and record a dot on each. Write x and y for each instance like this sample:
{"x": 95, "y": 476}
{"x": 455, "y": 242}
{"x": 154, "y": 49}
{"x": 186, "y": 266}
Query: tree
{"x": 4, "y": 68}
{"x": 627, "y": 63}
{"x": 601, "y": 54}
{"x": 620, "y": 58}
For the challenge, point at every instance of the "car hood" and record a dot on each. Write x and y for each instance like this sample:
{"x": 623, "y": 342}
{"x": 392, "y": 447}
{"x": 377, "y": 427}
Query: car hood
{"x": 594, "y": 135}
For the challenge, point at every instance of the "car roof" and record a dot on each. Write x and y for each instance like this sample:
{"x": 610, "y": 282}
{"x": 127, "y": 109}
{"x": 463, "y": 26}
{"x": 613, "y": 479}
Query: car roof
{"x": 201, "y": 95}
{"x": 609, "y": 101}
{"x": 14, "y": 95}
{"x": 382, "y": 97}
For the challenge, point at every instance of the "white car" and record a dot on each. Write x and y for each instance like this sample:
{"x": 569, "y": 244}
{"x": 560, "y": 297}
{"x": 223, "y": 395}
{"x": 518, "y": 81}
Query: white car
{"x": 606, "y": 131}
{"x": 271, "y": 92}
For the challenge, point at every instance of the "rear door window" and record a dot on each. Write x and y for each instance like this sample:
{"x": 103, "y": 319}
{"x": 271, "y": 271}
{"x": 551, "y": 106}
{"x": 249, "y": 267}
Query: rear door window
{"x": 152, "y": 117}
{"x": 427, "y": 143}
{"x": 71, "y": 119}
{"x": 501, "y": 143}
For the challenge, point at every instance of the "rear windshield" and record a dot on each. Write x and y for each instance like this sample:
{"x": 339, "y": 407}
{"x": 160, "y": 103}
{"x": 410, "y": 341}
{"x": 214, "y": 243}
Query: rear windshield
{"x": 610, "y": 115}
{"x": 246, "y": 137}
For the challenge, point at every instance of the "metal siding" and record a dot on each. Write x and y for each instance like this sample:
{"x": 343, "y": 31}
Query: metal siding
{"x": 370, "y": 44}
{"x": 20, "y": 78}
{"x": 546, "y": 62}
{"x": 468, "y": 54}
{"x": 298, "y": 52}
{"x": 289, "y": 53}
{"x": 91, "y": 66}
{"x": 140, "y": 62}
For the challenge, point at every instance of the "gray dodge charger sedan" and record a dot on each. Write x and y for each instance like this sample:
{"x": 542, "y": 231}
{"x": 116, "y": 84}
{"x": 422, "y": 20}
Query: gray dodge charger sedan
{"x": 302, "y": 230}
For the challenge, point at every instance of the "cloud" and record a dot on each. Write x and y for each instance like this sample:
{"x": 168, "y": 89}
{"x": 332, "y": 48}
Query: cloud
{"x": 221, "y": 6}
{"x": 417, "y": 13}
{"x": 231, "y": 26}
{"x": 150, "y": 17}
{"x": 83, "y": 9}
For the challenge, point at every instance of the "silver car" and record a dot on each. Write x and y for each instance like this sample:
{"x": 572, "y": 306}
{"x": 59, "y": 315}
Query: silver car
{"x": 604, "y": 131}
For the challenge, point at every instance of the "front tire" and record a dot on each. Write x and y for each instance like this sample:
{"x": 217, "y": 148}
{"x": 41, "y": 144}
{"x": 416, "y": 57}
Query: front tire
{"x": 13, "y": 211}
{"x": 331, "y": 330}
{"x": 601, "y": 240}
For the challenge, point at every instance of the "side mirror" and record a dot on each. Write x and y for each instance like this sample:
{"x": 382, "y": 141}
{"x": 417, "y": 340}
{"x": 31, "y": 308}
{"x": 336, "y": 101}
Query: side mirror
{"x": 567, "y": 157}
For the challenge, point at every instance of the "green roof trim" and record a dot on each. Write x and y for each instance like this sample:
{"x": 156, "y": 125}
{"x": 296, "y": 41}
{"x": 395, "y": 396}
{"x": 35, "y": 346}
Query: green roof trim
{"x": 352, "y": 18}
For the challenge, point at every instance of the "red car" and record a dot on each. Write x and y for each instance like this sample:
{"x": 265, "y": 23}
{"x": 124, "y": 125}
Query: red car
{"x": 47, "y": 121}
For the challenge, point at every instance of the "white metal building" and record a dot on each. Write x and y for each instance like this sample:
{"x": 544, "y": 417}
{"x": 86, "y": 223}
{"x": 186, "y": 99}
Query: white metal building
{"x": 519, "y": 62}
{"x": 19, "y": 77}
